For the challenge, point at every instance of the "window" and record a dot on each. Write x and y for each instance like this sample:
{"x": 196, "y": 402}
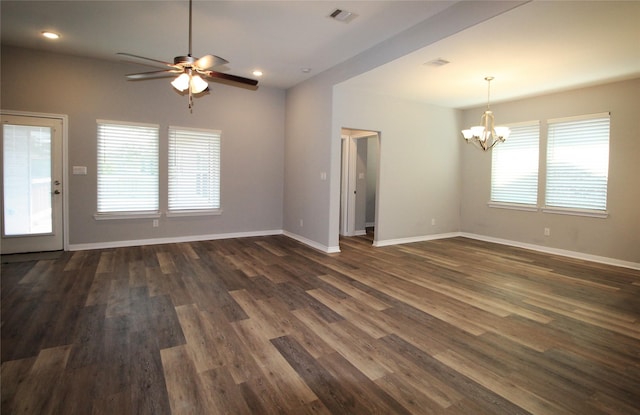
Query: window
{"x": 514, "y": 166}
{"x": 127, "y": 168}
{"x": 578, "y": 162}
{"x": 194, "y": 170}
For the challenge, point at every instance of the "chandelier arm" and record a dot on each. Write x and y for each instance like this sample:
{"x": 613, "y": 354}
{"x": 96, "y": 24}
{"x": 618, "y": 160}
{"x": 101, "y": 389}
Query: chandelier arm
{"x": 477, "y": 144}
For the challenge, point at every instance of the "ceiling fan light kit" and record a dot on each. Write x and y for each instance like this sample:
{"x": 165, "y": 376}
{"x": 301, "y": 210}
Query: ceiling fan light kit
{"x": 486, "y": 135}
{"x": 190, "y": 70}
{"x": 193, "y": 82}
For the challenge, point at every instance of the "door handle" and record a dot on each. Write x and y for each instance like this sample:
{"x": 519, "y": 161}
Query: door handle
{"x": 56, "y": 192}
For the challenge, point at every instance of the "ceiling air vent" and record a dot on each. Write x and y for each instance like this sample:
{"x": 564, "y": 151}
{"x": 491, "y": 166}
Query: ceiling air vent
{"x": 437, "y": 62}
{"x": 342, "y": 15}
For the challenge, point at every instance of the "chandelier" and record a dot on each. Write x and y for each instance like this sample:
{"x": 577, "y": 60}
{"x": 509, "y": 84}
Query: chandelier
{"x": 486, "y": 135}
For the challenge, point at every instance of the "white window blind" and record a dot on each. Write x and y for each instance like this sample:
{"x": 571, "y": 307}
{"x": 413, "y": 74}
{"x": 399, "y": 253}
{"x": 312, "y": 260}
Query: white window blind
{"x": 578, "y": 162}
{"x": 127, "y": 167}
{"x": 514, "y": 166}
{"x": 194, "y": 169}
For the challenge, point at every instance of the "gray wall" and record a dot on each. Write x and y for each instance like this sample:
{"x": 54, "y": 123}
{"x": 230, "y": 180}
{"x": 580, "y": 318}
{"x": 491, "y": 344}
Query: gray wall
{"x": 418, "y": 171}
{"x": 252, "y": 125}
{"x": 276, "y": 146}
{"x": 617, "y": 236}
{"x": 312, "y": 141}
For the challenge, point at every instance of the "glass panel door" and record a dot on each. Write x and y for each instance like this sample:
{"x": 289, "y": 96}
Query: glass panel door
{"x": 27, "y": 180}
{"x": 32, "y": 203}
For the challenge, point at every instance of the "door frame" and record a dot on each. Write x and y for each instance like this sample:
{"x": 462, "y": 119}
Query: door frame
{"x": 349, "y": 138}
{"x": 64, "y": 119}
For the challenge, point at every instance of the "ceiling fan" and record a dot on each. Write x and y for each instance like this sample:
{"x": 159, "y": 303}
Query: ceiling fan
{"x": 190, "y": 70}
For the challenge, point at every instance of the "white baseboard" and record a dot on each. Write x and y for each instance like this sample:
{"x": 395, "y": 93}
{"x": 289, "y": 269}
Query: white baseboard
{"x": 313, "y": 244}
{"x": 159, "y": 241}
{"x": 412, "y": 239}
{"x": 555, "y": 251}
{"x": 533, "y": 247}
{"x": 336, "y": 249}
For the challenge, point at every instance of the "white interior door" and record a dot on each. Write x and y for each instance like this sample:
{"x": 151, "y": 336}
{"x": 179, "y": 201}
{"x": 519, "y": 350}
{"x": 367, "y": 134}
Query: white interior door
{"x": 32, "y": 202}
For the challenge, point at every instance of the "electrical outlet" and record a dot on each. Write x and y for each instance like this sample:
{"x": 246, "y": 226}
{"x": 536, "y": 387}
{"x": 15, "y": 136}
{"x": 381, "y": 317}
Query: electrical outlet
{"x": 301, "y": 223}
{"x": 433, "y": 221}
{"x": 547, "y": 232}
{"x": 156, "y": 223}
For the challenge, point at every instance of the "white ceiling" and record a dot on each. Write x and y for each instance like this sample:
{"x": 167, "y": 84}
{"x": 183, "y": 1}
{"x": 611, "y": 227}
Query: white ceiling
{"x": 539, "y": 47}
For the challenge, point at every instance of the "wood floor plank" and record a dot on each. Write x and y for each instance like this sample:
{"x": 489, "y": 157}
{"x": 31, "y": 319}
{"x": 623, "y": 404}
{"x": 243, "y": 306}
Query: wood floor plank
{"x": 498, "y": 384}
{"x": 285, "y": 382}
{"x": 200, "y": 341}
{"x": 34, "y": 395}
{"x": 269, "y": 328}
{"x": 477, "y": 398}
{"x": 182, "y": 382}
{"x": 344, "y": 399}
{"x": 266, "y": 325}
{"x": 354, "y": 292}
{"x": 359, "y": 314}
{"x": 13, "y": 374}
{"x": 236, "y": 356}
{"x": 149, "y": 393}
{"x": 221, "y": 394}
{"x": 339, "y": 339}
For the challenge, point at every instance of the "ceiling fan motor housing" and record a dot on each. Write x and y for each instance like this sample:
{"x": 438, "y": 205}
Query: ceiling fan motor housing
{"x": 184, "y": 60}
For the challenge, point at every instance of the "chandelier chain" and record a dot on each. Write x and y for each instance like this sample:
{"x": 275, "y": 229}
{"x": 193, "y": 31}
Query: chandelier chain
{"x": 488, "y": 79}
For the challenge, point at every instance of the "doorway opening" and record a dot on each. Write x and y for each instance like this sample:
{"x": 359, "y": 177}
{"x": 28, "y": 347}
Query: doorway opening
{"x": 359, "y": 182}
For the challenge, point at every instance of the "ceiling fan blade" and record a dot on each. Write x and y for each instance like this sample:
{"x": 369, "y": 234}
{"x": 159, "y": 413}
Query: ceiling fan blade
{"x": 171, "y": 65}
{"x": 229, "y": 77}
{"x": 154, "y": 74}
{"x": 209, "y": 61}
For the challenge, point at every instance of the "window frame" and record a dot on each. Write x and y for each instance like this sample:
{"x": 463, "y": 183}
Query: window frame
{"x": 576, "y": 210}
{"x": 215, "y": 176}
{"x": 154, "y": 211}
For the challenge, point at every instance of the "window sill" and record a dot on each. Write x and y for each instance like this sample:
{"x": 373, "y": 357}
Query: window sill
{"x": 513, "y": 206}
{"x": 126, "y": 215}
{"x": 576, "y": 212}
{"x": 199, "y": 212}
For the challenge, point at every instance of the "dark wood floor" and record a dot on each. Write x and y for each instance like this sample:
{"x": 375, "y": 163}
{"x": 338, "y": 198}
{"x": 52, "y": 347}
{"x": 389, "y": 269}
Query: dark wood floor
{"x": 269, "y": 326}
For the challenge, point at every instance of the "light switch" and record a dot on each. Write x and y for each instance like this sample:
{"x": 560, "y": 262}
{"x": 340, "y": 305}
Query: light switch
{"x": 80, "y": 170}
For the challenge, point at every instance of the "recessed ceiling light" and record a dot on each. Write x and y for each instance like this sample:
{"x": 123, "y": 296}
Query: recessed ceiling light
{"x": 305, "y": 70}
{"x": 50, "y": 35}
{"x": 257, "y": 72}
